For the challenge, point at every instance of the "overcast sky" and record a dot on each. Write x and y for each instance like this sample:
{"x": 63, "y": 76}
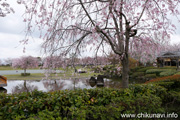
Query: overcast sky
{"x": 11, "y": 32}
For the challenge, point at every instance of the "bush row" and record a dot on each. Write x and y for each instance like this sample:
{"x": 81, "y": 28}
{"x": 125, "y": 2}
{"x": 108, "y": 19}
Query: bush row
{"x": 85, "y": 104}
{"x": 25, "y": 74}
{"x": 161, "y": 72}
{"x": 172, "y": 85}
{"x": 166, "y": 78}
{"x": 150, "y": 72}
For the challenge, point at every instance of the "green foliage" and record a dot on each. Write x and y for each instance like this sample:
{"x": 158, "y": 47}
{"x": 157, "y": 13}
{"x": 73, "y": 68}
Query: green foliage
{"x": 136, "y": 68}
{"x": 97, "y": 69}
{"x": 150, "y": 76}
{"x": 109, "y": 70}
{"x": 170, "y": 84}
{"x": 171, "y": 98}
{"x": 25, "y": 74}
{"x": 140, "y": 73}
{"x": 156, "y": 71}
{"x": 167, "y": 73}
{"x": 133, "y": 63}
{"x": 136, "y": 74}
{"x": 144, "y": 69}
{"x": 177, "y": 73}
{"x": 169, "y": 67}
{"x": 172, "y": 102}
{"x": 86, "y": 104}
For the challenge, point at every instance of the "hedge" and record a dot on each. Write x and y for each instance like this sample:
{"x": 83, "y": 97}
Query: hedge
{"x": 158, "y": 71}
{"x": 167, "y": 73}
{"x": 25, "y": 74}
{"x": 167, "y": 78}
{"x": 85, "y": 104}
{"x": 145, "y": 69}
{"x": 150, "y": 76}
{"x": 136, "y": 74}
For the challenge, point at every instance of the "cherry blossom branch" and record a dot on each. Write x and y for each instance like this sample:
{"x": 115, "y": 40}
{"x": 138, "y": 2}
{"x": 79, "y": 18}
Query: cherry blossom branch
{"x": 140, "y": 14}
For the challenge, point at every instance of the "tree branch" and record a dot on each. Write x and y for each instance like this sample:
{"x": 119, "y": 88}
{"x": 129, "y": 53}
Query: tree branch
{"x": 140, "y": 15}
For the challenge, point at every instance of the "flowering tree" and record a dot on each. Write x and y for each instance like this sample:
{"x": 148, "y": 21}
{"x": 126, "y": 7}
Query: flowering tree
{"x": 73, "y": 24}
{"x": 5, "y": 8}
{"x": 147, "y": 50}
{"x": 25, "y": 62}
{"x": 53, "y": 62}
{"x": 102, "y": 60}
{"x": 87, "y": 61}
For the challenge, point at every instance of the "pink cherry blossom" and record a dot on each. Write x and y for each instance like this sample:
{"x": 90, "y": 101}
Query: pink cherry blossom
{"x": 5, "y": 8}
{"x": 25, "y": 62}
{"x": 122, "y": 25}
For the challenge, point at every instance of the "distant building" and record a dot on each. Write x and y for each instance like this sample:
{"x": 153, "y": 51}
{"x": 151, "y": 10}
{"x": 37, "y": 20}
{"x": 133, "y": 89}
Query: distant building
{"x": 170, "y": 58}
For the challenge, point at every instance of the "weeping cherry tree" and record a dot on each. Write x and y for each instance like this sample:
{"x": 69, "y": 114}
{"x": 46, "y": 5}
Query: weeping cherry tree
{"x": 73, "y": 25}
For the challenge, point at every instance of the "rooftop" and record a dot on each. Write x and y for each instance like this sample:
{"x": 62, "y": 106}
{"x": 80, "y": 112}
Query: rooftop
{"x": 169, "y": 54}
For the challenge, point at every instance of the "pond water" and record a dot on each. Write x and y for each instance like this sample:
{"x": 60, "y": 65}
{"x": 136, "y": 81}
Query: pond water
{"x": 13, "y": 72}
{"x": 18, "y": 86}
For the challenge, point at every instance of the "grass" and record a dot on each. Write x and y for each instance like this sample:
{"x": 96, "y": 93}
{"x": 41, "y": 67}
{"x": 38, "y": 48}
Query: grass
{"x": 11, "y": 68}
{"x": 35, "y": 76}
{"x": 69, "y": 73}
{"x": 6, "y": 68}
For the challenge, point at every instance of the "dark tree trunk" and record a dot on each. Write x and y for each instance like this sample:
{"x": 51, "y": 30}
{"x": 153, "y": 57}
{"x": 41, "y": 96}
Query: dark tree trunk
{"x": 125, "y": 72}
{"x": 177, "y": 64}
{"x": 75, "y": 70}
{"x": 24, "y": 71}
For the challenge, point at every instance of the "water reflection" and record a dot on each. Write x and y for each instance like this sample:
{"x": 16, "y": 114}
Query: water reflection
{"x": 25, "y": 87}
{"x": 17, "y": 86}
{"x": 53, "y": 85}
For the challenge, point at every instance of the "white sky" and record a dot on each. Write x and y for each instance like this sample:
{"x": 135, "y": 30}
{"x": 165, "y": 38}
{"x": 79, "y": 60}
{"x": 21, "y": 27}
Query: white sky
{"x": 11, "y": 32}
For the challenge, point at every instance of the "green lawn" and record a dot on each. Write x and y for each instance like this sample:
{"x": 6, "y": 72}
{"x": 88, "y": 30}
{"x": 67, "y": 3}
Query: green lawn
{"x": 11, "y": 68}
{"x": 69, "y": 73}
{"x": 6, "y": 68}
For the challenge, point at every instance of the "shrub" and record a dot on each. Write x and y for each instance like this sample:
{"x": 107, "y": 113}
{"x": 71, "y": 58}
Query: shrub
{"x": 145, "y": 69}
{"x": 136, "y": 68}
{"x": 112, "y": 71}
{"x": 137, "y": 74}
{"x": 170, "y": 98}
{"x": 133, "y": 63}
{"x": 82, "y": 104}
{"x": 177, "y": 73}
{"x": 170, "y": 78}
{"x": 167, "y": 73}
{"x": 150, "y": 76}
{"x": 172, "y": 102}
{"x": 169, "y": 67}
{"x": 156, "y": 71}
{"x": 97, "y": 69}
{"x": 25, "y": 74}
{"x": 88, "y": 104}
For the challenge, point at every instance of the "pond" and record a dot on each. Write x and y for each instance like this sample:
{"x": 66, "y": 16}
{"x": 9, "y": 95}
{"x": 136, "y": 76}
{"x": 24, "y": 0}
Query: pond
{"x": 13, "y": 72}
{"x": 18, "y": 86}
